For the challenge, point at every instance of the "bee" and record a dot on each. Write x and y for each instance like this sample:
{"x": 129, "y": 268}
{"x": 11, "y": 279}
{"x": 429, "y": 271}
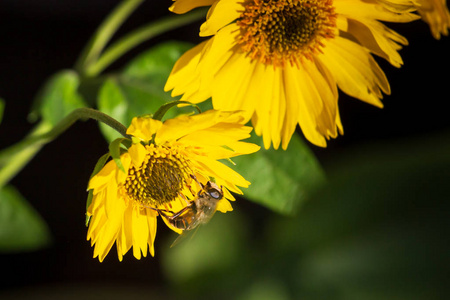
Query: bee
{"x": 198, "y": 211}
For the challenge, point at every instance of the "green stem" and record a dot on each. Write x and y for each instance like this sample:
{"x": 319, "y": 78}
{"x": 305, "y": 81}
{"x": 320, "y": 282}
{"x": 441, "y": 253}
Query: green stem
{"x": 14, "y": 158}
{"x": 136, "y": 37}
{"x": 104, "y": 33}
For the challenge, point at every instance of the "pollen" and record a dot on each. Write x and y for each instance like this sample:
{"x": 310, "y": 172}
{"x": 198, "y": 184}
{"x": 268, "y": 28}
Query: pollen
{"x": 161, "y": 177}
{"x": 276, "y": 32}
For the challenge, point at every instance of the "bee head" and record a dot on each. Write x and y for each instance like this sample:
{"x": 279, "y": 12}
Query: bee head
{"x": 213, "y": 190}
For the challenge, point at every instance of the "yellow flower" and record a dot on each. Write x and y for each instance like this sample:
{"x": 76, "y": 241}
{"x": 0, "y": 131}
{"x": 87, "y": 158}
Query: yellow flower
{"x": 435, "y": 13}
{"x": 159, "y": 168}
{"x": 282, "y": 61}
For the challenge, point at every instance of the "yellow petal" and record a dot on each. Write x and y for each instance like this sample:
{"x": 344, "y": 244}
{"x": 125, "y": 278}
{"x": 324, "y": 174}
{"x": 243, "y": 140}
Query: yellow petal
{"x": 278, "y": 108}
{"x": 108, "y": 234}
{"x": 224, "y": 205}
{"x": 372, "y": 10}
{"x": 231, "y": 86}
{"x": 183, "y": 6}
{"x": 195, "y": 76}
{"x": 355, "y": 70}
{"x": 181, "y": 75}
{"x": 102, "y": 178}
{"x": 297, "y": 85}
{"x": 125, "y": 237}
{"x": 144, "y": 128}
{"x": 98, "y": 218}
{"x": 151, "y": 219}
{"x": 379, "y": 39}
{"x": 291, "y": 113}
{"x": 436, "y": 14}
{"x": 126, "y": 162}
{"x": 97, "y": 202}
{"x": 218, "y": 135}
{"x": 181, "y": 126}
{"x": 230, "y": 150}
{"x": 218, "y": 170}
{"x": 137, "y": 154}
{"x": 221, "y": 14}
{"x": 320, "y": 89}
{"x": 140, "y": 229}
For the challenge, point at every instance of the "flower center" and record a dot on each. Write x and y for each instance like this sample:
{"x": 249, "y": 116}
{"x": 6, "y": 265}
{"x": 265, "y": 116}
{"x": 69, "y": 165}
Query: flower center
{"x": 161, "y": 177}
{"x": 279, "y": 31}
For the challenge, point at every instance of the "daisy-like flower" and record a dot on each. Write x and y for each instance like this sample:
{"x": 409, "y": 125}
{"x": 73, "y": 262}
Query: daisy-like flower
{"x": 158, "y": 172}
{"x": 435, "y": 13}
{"x": 281, "y": 61}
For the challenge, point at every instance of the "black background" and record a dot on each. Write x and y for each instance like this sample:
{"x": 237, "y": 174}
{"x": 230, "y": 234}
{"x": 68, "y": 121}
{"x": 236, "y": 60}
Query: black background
{"x": 39, "y": 38}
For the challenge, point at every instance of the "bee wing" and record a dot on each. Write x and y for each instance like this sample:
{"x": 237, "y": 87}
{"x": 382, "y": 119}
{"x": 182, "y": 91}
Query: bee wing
{"x": 184, "y": 235}
{"x": 192, "y": 229}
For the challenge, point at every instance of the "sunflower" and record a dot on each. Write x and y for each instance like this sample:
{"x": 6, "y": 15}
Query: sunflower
{"x": 281, "y": 61}
{"x": 435, "y": 13}
{"x": 158, "y": 172}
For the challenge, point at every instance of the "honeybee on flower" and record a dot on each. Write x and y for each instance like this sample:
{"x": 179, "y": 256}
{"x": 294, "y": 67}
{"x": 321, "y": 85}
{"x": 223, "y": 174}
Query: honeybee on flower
{"x": 159, "y": 172}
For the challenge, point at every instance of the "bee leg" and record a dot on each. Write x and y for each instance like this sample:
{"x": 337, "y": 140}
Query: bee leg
{"x": 175, "y": 215}
{"x": 162, "y": 212}
{"x": 200, "y": 192}
{"x": 196, "y": 180}
{"x": 184, "y": 198}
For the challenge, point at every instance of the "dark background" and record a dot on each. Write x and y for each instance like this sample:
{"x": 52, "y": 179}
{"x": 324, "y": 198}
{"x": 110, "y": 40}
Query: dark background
{"x": 39, "y": 38}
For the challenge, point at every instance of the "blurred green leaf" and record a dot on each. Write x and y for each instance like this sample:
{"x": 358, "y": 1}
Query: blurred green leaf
{"x": 58, "y": 98}
{"x": 21, "y": 227}
{"x": 265, "y": 288}
{"x": 376, "y": 230}
{"x": 207, "y": 257}
{"x": 280, "y": 180}
{"x": 113, "y": 102}
{"x": 139, "y": 88}
{"x": 154, "y": 66}
{"x": 183, "y": 261}
{"x": 2, "y": 109}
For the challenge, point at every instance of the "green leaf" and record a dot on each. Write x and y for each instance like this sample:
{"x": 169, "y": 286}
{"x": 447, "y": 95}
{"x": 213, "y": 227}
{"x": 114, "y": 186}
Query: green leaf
{"x": 211, "y": 249}
{"x": 160, "y": 113}
{"x": 155, "y": 65}
{"x": 2, "y": 109}
{"x": 115, "y": 151}
{"x": 139, "y": 88}
{"x": 377, "y": 230}
{"x": 21, "y": 227}
{"x": 280, "y": 180}
{"x": 113, "y": 102}
{"x": 58, "y": 98}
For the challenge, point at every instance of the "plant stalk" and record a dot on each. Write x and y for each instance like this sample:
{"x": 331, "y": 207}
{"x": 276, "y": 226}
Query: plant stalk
{"x": 138, "y": 36}
{"x": 104, "y": 33}
{"x": 14, "y": 158}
